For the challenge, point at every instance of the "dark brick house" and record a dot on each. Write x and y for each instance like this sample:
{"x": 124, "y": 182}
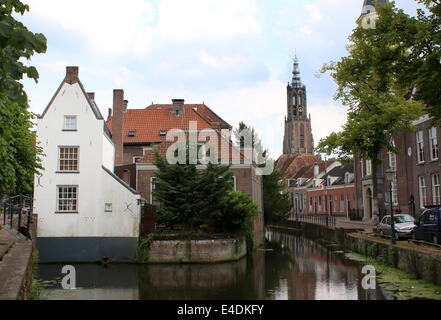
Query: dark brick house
{"x": 417, "y": 178}
{"x": 138, "y": 133}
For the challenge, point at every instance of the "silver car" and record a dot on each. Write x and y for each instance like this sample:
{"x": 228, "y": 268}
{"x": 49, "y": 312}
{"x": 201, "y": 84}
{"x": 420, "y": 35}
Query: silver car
{"x": 404, "y": 225}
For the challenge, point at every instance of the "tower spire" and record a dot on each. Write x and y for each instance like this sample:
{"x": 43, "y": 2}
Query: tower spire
{"x": 296, "y": 82}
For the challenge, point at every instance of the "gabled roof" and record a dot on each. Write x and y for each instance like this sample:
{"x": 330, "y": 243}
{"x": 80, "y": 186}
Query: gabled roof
{"x": 149, "y": 122}
{"x": 339, "y": 173}
{"x": 290, "y": 165}
{"x": 72, "y": 78}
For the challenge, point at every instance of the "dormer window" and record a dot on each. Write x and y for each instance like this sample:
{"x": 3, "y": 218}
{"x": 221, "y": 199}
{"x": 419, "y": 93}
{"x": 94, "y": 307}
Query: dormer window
{"x": 132, "y": 134}
{"x": 162, "y": 133}
{"x": 70, "y": 123}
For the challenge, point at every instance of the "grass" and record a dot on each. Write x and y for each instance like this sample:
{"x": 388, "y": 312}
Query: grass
{"x": 399, "y": 283}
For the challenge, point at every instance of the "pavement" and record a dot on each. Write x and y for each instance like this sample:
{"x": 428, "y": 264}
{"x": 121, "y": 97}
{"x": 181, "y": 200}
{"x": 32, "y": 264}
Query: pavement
{"x": 15, "y": 265}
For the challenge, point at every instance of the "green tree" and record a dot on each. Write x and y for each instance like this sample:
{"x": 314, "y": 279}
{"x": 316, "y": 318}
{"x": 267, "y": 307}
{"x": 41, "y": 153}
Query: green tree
{"x": 246, "y": 137}
{"x": 379, "y": 105}
{"x": 238, "y": 213}
{"x": 190, "y": 196}
{"x": 19, "y": 155}
{"x": 277, "y": 205}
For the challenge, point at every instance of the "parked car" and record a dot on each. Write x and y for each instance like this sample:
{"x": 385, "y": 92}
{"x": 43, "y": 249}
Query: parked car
{"x": 404, "y": 226}
{"x": 429, "y": 226}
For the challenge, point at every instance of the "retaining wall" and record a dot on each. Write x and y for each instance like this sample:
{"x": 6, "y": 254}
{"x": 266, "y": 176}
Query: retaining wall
{"x": 196, "y": 251}
{"x": 415, "y": 261}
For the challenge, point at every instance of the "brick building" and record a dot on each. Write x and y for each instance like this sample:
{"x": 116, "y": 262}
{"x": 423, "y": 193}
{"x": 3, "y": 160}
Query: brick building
{"x": 137, "y": 133}
{"x": 417, "y": 178}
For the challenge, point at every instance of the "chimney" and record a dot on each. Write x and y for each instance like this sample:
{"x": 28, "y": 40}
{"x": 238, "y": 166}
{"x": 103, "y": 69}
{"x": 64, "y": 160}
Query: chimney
{"x": 117, "y": 124}
{"x": 72, "y": 75}
{"x": 178, "y": 106}
{"x": 125, "y": 104}
{"x": 91, "y": 95}
{"x": 109, "y": 115}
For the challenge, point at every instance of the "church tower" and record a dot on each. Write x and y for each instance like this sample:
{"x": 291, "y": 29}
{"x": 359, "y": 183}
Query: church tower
{"x": 298, "y": 133}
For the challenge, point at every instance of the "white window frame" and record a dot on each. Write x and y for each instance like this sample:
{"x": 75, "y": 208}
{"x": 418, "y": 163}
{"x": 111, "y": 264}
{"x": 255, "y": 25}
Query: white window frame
{"x": 422, "y": 190}
{"x": 433, "y": 139}
{"x": 58, "y": 199}
{"x": 67, "y": 159}
{"x": 152, "y": 179}
{"x": 70, "y": 126}
{"x": 136, "y": 158}
{"x": 368, "y": 167}
{"x": 420, "y": 146}
{"x": 436, "y": 190}
{"x": 393, "y": 166}
{"x": 362, "y": 168}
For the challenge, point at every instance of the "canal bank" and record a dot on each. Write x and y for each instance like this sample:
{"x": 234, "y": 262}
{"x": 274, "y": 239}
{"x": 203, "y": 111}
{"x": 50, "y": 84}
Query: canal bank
{"x": 16, "y": 270}
{"x": 292, "y": 267}
{"x": 419, "y": 262}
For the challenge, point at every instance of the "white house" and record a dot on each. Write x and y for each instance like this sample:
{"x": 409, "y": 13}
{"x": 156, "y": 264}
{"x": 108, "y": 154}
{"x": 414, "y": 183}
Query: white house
{"x": 85, "y": 212}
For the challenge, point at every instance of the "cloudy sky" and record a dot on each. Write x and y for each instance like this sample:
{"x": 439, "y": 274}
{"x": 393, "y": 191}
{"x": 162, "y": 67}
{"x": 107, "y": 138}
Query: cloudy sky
{"x": 234, "y": 55}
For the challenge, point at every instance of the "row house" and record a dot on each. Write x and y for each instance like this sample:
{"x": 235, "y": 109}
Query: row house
{"x": 334, "y": 192}
{"x": 417, "y": 174}
{"x": 85, "y": 212}
{"x": 138, "y": 133}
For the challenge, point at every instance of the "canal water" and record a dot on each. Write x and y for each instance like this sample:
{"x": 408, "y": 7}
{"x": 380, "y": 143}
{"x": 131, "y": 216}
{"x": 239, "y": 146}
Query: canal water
{"x": 293, "y": 268}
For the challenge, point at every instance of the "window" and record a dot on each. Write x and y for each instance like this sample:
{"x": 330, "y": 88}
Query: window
{"x": 67, "y": 199}
{"x": 342, "y": 203}
{"x": 70, "y": 123}
{"x": 68, "y": 159}
{"x": 108, "y": 207}
{"x": 362, "y": 168}
{"x": 137, "y": 159}
{"x": 436, "y": 197}
{"x": 433, "y": 144}
{"x": 420, "y": 146}
{"x": 393, "y": 166}
{"x": 162, "y": 133}
{"x": 234, "y": 182}
{"x": 302, "y": 136}
{"x": 368, "y": 167}
{"x": 422, "y": 191}
{"x": 152, "y": 188}
{"x": 132, "y": 134}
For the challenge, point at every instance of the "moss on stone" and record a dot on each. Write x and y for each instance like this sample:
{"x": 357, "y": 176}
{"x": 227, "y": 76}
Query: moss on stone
{"x": 399, "y": 283}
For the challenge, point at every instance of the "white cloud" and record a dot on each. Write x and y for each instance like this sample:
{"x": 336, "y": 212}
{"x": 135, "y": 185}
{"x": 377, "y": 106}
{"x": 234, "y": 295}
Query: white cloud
{"x": 313, "y": 11}
{"x": 106, "y": 24}
{"x": 192, "y": 19}
{"x": 327, "y": 116}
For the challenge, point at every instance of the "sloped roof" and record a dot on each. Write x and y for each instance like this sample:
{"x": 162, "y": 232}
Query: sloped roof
{"x": 72, "y": 79}
{"x": 149, "y": 122}
{"x": 291, "y": 165}
{"x": 339, "y": 172}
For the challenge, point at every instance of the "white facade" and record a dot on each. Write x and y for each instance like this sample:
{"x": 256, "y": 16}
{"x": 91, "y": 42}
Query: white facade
{"x": 106, "y": 207}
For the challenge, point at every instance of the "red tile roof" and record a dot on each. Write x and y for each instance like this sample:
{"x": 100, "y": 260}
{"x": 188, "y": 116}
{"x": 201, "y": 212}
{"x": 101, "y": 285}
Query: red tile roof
{"x": 150, "y": 121}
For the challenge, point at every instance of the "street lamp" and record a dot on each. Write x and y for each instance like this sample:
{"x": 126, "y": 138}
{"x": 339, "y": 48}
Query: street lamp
{"x": 390, "y": 175}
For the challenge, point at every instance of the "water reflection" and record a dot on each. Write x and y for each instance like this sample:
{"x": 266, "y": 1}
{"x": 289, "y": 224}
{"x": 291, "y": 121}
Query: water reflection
{"x": 295, "y": 268}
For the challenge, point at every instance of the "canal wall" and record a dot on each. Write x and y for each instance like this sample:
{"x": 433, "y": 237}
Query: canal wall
{"x": 196, "y": 251}
{"x": 15, "y": 266}
{"x": 421, "y": 262}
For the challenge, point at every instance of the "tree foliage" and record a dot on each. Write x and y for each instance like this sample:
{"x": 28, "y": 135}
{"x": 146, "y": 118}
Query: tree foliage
{"x": 197, "y": 198}
{"x": 371, "y": 84}
{"x": 19, "y": 155}
{"x": 277, "y": 205}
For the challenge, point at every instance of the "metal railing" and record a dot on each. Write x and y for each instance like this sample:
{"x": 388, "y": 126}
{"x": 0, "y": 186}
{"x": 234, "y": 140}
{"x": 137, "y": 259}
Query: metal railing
{"x": 323, "y": 220}
{"x": 17, "y": 214}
